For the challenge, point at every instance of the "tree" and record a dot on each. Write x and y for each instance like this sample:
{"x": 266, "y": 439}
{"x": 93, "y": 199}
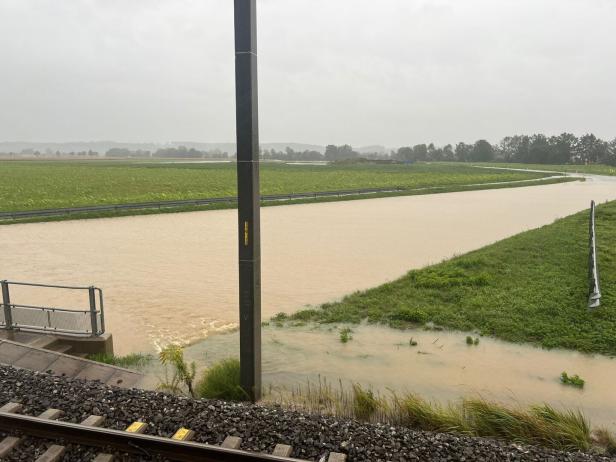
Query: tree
{"x": 482, "y": 152}
{"x": 405, "y": 153}
{"x": 420, "y": 152}
{"x": 563, "y": 148}
{"x": 463, "y": 152}
{"x": 540, "y": 150}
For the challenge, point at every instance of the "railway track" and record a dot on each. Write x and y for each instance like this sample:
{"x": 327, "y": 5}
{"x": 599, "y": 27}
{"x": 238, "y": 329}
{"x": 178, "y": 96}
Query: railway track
{"x": 133, "y": 440}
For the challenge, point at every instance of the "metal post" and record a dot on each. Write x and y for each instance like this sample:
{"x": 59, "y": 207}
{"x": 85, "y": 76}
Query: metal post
{"x": 247, "y": 126}
{"x": 92, "y": 295}
{"x": 6, "y": 303}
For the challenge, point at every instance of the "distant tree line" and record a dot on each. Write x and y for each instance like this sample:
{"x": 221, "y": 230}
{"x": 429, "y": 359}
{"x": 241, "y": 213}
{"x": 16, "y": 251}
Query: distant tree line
{"x": 534, "y": 149}
{"x": 181, "y": 152}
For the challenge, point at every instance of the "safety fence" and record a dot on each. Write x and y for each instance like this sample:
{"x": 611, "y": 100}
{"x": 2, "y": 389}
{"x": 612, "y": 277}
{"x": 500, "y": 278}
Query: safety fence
{"x": 88, "y": 322}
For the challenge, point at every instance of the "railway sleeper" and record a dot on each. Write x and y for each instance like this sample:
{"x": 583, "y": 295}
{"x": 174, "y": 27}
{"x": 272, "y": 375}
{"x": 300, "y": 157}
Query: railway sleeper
{"x": 89, "y": 433}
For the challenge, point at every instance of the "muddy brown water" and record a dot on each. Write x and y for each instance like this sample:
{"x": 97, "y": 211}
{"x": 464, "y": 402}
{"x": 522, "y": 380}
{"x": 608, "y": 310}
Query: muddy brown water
{"x": 172, "y": 277}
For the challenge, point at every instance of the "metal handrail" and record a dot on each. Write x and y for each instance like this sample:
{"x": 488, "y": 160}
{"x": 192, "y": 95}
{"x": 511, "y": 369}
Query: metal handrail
{"x": 53, "y": 286}
{"x": 594, "y": 291}
{"x": 96, "y": 324}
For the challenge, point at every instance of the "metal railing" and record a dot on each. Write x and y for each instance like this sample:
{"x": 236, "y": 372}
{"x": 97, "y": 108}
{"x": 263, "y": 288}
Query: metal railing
{"x": 594, "y": 291}
{"x": 75, "y": 322}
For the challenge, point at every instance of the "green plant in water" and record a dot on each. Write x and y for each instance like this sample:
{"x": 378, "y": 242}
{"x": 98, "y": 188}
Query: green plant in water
{"x": 472, "y": 341}
{"x": 345, "y": 334}
{"x": 133, "y": 360}
{"x": 572, "y": 380}
{"x": 222, "y": 381}
{"x": 183, "y": 373}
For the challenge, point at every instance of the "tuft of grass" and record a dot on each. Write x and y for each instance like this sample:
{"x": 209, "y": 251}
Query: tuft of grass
{"x": 365, "y": 404}
{"x": 345, "y": 334}
{"x": 605, "y": 439}
{"x": 131, "y": 361}
{"x": 572, "y": 380}
{"x": 415, "y": 412}
{"x": 541, "y": 424}
{"x": 472, "y": 341}
{"x": 526, "y": 288}
{"x": 222, "y": 381}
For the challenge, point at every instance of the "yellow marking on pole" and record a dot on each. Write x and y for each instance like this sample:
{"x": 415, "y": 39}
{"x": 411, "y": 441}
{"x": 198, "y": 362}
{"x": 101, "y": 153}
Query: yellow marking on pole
{"x": 183, "y": 434}
{"x": 137, "y": 427}
{"x": 246, "y": 233}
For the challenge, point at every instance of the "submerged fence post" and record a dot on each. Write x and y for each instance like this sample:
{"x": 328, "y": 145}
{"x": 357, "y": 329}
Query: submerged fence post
{"x": 6, "y": 303}
{"x": 594, "y": 292}
{"x": 94, "y": 323}
{"x": 248, "y": 195}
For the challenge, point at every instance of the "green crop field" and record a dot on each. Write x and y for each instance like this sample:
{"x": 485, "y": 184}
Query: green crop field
{"x": 30, "y": 185}
{"x": 531, "y": 287}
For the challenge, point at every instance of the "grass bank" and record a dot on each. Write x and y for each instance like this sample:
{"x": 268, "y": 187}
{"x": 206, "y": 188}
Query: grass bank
{"x": 230, "y": 205}
{"x": 531, "y": 288}
{"x": 595, "y": 169}
{"x": 31, "y": 185}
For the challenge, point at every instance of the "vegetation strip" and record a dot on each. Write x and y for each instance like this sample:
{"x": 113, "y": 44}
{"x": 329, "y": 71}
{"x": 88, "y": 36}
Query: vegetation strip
{"x": 261, "y": 427}
{"x": 349, "y": 197}
{"x": 37, "y": 185}
{"x": 532, "y": 287}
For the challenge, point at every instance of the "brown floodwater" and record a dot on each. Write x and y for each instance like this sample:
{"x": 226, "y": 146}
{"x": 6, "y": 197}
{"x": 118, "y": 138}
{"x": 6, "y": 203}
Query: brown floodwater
{"x": 173, "y": 277}
{"x": 441, "y": 367}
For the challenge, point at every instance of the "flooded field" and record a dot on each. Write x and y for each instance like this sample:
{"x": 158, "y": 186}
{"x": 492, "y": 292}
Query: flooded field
{"x": 441, "y": 367}
{"x": 173, "y": 277}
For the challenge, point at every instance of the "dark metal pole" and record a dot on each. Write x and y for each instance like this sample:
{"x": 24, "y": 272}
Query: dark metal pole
{"x": 247, "y": 125}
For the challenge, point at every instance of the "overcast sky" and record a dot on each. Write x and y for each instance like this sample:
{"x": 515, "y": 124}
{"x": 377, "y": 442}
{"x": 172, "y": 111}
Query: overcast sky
{"x": 390, "y": 72}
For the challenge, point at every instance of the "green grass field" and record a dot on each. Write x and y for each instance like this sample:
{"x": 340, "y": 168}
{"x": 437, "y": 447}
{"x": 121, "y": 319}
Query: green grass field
{"x": 531, "y": 287}
{"x": 31, "y": 185}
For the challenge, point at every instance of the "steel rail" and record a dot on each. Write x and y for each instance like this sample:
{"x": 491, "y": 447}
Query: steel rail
{"x": 134, "y": 443}
{"x": 188, "y": 202}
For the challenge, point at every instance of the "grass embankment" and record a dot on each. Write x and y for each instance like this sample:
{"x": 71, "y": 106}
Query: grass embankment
{"x": 34, "y": 185}
{"x": 531, "y": 287}
{"x": 30, "y": 185}
{"x": 594, "y": 169}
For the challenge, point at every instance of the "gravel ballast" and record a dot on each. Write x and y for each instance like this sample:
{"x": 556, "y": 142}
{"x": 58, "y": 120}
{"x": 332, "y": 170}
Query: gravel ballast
{"x": 260, "y": 427}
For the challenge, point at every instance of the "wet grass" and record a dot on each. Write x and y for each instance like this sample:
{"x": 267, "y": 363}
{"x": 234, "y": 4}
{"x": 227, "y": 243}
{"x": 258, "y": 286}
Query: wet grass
{"x": 530, "y": 288}
{"x": 538, "y": 425}
{"x": 222, "y": 381}
{"x": 131, "y": 361}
